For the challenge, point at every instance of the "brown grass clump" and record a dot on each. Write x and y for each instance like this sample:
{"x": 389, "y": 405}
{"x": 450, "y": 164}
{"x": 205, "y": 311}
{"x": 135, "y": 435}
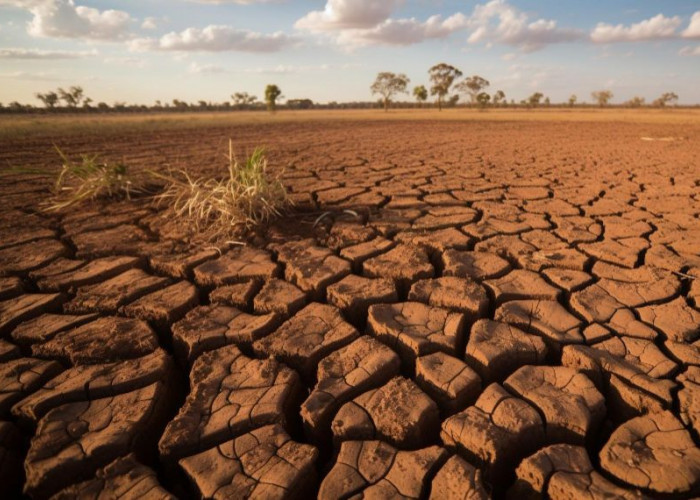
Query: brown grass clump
{"x": 246, "y": 197}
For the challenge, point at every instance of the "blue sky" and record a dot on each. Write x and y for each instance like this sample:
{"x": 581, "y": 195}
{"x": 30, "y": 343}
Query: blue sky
{"x": 143, "y": 50}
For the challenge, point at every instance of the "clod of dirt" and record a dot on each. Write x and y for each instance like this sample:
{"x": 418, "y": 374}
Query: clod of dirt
{"x": 209, "y": 327}
{"x": 354, "y": 294}
{"x": 414, "y": 329}
{"x": 103, "y": 340}
{"x": 88, "y": 382}
{"x": 309, "y": 336}
{"x": 343, "y": 375}
{"x": 10, "y": 287}
{"x": 165, "y": 306}
{"x": 229, "y": 394}
{"x": 495, "y": 350}
{"x": 125, "y": 477}
{"x": 358, "y": 254}
{"x": 458, "y": 480}
{"x": 449, "y": 292}
{"x": 30, "y": 256}
{"x": 497, "y": 431}
{"x": 47, "y": 326}
{"x": 239, "y": 295}
{"x": 398, "y": 412}
{"x": 264, "y": 463}
{"x": 20, "y": 377}
{"x": 25, "y": 307}
{"x": 474, "y": 265}
{"x": 653, "y": 452}
{"x": 404, "y": 264}
{"x": 375, "y": 469}
{"x": 281, "y": 297}
{"x": 236, "y": 266}
{"x": 563, "y": 471}
{"x": 448, "y": 381}
{"x": 544, "y": 317}
{"x": 74, "y": 440}
{"x": 572, "y": 407}
{"x": 90, "y": 273}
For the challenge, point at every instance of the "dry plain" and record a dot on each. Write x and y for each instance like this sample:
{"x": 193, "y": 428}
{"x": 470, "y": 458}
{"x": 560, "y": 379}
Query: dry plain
{"x": 499, "y": 304}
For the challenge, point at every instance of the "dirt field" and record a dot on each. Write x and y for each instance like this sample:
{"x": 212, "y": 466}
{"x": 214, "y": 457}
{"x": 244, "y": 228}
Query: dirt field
{"x": 512, "y": 309}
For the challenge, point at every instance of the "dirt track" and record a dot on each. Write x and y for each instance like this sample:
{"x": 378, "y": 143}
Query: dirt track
{"x": 515, "y": 311}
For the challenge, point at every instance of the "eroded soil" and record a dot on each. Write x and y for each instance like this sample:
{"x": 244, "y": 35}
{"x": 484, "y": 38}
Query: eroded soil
{"x": 514, "y": 310}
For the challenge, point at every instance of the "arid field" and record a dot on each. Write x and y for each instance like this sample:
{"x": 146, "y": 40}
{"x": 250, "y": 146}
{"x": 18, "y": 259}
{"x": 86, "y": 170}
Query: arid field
{"x": 459, "y": 305}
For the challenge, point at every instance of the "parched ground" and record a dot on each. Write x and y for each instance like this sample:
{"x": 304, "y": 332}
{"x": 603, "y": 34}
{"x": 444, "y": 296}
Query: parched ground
{"x": 482, "y": 309}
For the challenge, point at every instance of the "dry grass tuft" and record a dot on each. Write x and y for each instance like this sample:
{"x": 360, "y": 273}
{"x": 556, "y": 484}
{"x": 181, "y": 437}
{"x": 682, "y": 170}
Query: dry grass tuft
{"x": 77, "y": 182}
{"x": 216, "y": 208}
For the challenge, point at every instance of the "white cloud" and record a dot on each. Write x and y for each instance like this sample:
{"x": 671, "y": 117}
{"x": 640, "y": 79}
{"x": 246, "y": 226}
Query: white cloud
{"x": 239, "y": 2}
{"x": 693, "y": 29}
{"x": 690, "y": 51}
{"x": 348, "y": 14}
{"x": 63, "y": 19}
{"x": 402, "y": 31}
{"x": 364, "y": 22}
{"x": 215, "y": 39}
{"x": 150, "y": 23}
{"x": 18, "y": 53}
{"x": 199, "y": 69}
{"x": 656, "y": 28}
{"x": 499, "y": 22}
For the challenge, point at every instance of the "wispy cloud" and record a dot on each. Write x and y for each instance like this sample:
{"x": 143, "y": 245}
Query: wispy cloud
{"x": 658, "y": 27}
{"x": 215, "y": 38}
{"x": 20, "y": 53}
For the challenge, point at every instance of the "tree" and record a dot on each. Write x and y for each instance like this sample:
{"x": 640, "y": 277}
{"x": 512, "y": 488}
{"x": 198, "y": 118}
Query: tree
{"x": 421, "y": 94}
{"x": 473, "y": 86}
{"x": 483, "y": 100}
{"x": 272, "y": 93}
{"x": 666, "y": 99}
{"x": 443, "y": 76}
{"x": 72, "y": 96}
{"x": 572, "y": 100}
{"x": 602, "y": 97}
{"x": 50, "y": 99}
{"x": 388, "y": 84}
{"x": 534, "y": 100}
{"x": 243, "y": 100}
{"x": 87, "y": 103}
{"x": 300, "y": 104}
{"x": 499, "y": 97}
{"x": 635, "y": 102}
{"x": 547, "y": 102}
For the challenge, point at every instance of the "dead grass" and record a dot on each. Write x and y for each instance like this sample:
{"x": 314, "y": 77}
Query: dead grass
{"x": 76, "y": 182}
{"x": 218, "y": 208}
{"x": 18, "y": 126}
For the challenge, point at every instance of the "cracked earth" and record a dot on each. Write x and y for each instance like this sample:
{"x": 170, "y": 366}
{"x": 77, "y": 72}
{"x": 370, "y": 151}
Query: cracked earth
{"x": 513, "y": 313}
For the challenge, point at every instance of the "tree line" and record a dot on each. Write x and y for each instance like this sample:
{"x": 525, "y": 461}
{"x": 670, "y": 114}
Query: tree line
{"x": 445, "y": 79}
{"x": 446, "y": 87}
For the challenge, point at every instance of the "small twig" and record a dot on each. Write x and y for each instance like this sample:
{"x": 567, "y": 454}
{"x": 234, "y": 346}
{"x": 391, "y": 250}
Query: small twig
{"x": 685, "y": 276}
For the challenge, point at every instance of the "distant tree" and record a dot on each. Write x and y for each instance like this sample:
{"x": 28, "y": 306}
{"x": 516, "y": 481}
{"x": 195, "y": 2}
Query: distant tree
{"x": 666, "y": 99}
{"x": 272, "y": 93}
{"x": 421, "y": 94}
{"x": 452, "y": 101}
{"x": 72, "y": 97}
{"x": 102, "y": 106}
{"x": 473, "y": 86}
{"x": 572, "y": 100}
{"x": 602, "y": 97}
{"x": 300, "y": 104}
{"x": 442, "y": 76}
{"x": 635, "y": 102}
{"x": 483, "y": 100}
{"x": 243, "y": 100}
{"x": 387, "y": 85}
{"x": 547, "y": 102}
{"x": 87, "y": 103}
{"x": 15, "y": 106}
{"x": 50, "y": 99}
{"x": 202, "y": 104}
{"x": 499, "y": 97}
{"x": 535, "y": 99}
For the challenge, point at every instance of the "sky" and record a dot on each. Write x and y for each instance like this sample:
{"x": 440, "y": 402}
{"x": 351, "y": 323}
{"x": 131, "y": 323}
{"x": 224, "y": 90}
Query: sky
{"x": 140, "y": 51}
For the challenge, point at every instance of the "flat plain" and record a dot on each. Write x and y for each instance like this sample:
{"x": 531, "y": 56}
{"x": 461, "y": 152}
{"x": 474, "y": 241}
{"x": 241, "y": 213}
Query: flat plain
{"x": 460, "y": 305}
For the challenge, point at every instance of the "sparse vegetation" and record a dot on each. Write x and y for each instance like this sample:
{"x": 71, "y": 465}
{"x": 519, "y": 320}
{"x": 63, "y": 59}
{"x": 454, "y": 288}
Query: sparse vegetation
{"x": 666, "y": 99}
{"x": 421, "y": 94}
{"x": 443, "y": 76}
{"x": 473, "y": 87}
{"x": 602, "y": 97}
{"x": 389, "y": 84}
{"x": 272, "y": 93}
{"x": 247, "y": 196}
